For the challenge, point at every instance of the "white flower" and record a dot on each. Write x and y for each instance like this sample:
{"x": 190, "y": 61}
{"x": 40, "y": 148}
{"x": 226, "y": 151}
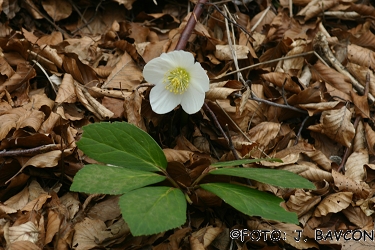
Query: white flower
{"x": 178, "y": 80}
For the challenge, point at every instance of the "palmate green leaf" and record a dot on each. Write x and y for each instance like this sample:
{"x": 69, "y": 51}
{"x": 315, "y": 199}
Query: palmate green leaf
{"x": 152, "y": 210}
{"x": 251, "y": 201}
{"x": 101, "y": 179}
{"x": 122, "y": 144}
{"x": 276, "y": 177}
{"x": 243, "y": 161}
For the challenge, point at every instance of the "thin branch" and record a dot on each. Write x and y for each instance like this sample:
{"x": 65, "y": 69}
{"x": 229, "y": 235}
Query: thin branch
{"x": 29, "y": 151}
{"x": 221, "y": 129}
{"x": 271, "y": 61}
{"x": 185, "y": 35}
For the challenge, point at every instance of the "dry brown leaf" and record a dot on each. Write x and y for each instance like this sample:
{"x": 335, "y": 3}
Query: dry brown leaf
{"x": 354, "y": 167}
{"x": 24, "y": 232}
{"x": 224, "y": 52}
{"x": 66, "y": 91}
{"x": 309, "y": 171}
{"x": 36, "y": 204}
{"x": 264, "y": 133}
{"x": 132, "y": 107}
{"x": 57, "y": 10}
{"x": 344, "y": 183}
{"x": 301, "y": 202}
{"x": 53, "y": 226}
{"x": 181, "y": 156}
{"x": 206, "y": 235}
{"x": 314, "y": 108}
{"x": 315, "y": 7}
{"x": 370, "y": 138}
{"x": 358, "y": 218}
{"x": 90, "y": 233}
{"x": 333, "y": 203}
{"x": 279, "y": 78}
{"x": 319, "y": 158}
{"x": 126, "y": 74}
{"x": 336, "y": 125}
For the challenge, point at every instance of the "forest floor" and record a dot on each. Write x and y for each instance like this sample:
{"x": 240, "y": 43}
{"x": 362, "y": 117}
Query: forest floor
{"x": 292, "y": 80}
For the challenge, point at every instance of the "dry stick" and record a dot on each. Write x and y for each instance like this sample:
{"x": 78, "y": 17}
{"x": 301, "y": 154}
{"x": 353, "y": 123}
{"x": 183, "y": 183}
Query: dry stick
{"x": 271, "y": 61}
{"x": 321, "y": 41}
{"x": 30, "y": 151}
{"x": 185, "y": 35}
{"x": 231, "y": 147}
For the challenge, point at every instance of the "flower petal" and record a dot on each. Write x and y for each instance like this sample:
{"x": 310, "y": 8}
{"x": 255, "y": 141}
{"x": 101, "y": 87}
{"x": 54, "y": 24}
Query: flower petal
{"x": 198, "y": 77}
{"x": 180, "y": 58}
{"x": 154, "y": 70}
{"x": 192, "y": 100}
{"x": 162, "y": 100}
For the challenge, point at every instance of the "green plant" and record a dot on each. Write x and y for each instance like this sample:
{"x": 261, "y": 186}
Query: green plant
{"x": 135, "y": 161}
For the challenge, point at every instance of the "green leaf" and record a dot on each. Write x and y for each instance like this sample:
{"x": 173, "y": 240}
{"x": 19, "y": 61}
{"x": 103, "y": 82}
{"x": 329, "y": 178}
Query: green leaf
{"x": 240, "y": 162}
{"x": 103, "y": 179}
{"x": 152, "y": 210}
{"x": 276, "y": 177}
{"x": 123, "y": 145}
{"x": 251, "y": 201}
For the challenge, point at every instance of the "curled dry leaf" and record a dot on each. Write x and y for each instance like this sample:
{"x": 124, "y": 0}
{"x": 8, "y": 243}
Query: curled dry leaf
{"x": 126, "y": 74}
{"x": 301, "y": 202}
{"x": 181, "y": 156}
{"x": 309, "y": 171}
{"x": 205, "y": 236}
{"x": 336, "y": 125}
{"x": 333, "y": 203}
{"x": 24, "y": 232}
{"x": 358, "y": 218}
{"x": 224, "y": 52}
{"x": 315, "y": 7}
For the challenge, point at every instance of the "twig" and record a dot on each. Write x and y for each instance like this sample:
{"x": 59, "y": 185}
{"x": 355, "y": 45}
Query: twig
{"x": 349, "y": 149}
{"x": 230, "y": 143}
{"x": 271, "y": 61}
{"x": 185, "y": 35}
{"x": 300, "y": 130}
{"x": 283, "y": 106}
{"x": 261, "y": 18}
{"x": 221, "y": 130}
{"x": 29, "y": 151}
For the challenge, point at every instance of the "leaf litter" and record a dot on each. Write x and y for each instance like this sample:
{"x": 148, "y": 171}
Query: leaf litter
{"x": 292, "y": 80}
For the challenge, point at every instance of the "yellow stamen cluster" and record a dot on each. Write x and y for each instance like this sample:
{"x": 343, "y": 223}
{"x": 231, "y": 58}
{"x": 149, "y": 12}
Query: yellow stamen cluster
{"x": 177, "y": 80}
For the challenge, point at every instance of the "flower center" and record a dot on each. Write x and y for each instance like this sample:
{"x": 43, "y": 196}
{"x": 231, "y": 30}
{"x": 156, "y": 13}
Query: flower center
{"x": 177, "y": 80}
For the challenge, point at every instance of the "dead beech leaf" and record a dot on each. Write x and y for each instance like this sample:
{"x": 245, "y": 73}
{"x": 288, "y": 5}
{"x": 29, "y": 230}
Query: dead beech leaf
{"x": 132, "y": 107}
{"x": 345, "y": 183}
{"x": 264, "y": 133}
{"x": 47, "y": 160}
{"x": 301, "y": 202}
{"x": 90, "y": 233}
{"x": 92, "y": 104}
{"x": 361, "y": 105}
{"x": 66, "y": 91}
{"x": 309, "y": 171}
{"x": 315, "y": 7}
{"x": 53, "y": 226}
{"x": 24, "y": 232}
{"x": 36, "y": 204}
{"x": 370, "y": 138}
{"x": 278, "y": 78}
{"x": 319, "y": 158}
{"x": 8, "y": 122}
{"x": 336, "y": 125}
{"x": 219, "y": 91}
{"x": 23, "y": 74}
{"x": 5, "y": 68}
{"x": 126, "y": 74}
{"x": 22, "y": 245}
{"x": 359, "y": 218}
{"x": 57, "y": 10}
{"x": 181, "y": 156}
{"x": 333, "y": 203}
{"x": 224, "y": 52}
{"x": 32, "y": 119}
{"x": 314, "y": 108}
{"x": 206, "y": 235}
{"x": 360, "y": 72}
{"x": 354, "y": 167}
{"x": 361, "y": 56}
